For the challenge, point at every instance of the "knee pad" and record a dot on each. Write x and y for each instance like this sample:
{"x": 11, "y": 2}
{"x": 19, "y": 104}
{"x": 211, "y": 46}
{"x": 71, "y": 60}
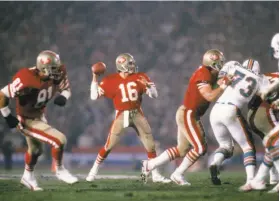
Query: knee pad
{"x": 228, "y": 152}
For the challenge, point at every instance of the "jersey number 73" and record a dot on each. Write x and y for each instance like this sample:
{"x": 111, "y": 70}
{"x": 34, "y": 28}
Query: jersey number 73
{"x": 248, "y": 90}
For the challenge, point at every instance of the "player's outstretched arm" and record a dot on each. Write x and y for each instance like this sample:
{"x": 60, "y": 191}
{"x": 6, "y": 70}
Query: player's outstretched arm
{"x": 11, "y": 120}
{"x": 95, "y": 90}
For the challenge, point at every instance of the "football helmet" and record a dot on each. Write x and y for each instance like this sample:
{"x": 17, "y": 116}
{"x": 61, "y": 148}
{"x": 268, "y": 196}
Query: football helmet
{"x": 49, "y": 64}
{"x": 126, "y": 63}
{"x": 214, "y": 59}
{"x": 275, "y": 46}
{"x": 252, "y": 65}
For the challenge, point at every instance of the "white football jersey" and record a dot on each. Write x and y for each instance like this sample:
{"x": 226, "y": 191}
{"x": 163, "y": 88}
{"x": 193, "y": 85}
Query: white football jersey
{"x": 244, "y": 86}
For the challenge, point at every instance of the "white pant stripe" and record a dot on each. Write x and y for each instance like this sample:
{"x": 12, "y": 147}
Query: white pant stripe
{"x": 42, "y": 138}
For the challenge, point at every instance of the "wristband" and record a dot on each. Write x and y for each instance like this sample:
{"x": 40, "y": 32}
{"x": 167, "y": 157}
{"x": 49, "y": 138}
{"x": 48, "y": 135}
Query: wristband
{"x": 66, "y": 94}
{"x": 5, "y": 111}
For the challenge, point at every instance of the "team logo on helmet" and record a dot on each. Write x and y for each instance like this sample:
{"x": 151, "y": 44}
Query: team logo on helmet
{"x": 45, "y": 60}
{"x": 214, "y": 57}
{"x": 121, "y": 60}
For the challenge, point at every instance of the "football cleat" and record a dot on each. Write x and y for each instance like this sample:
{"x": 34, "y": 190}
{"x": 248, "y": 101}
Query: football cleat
{"x": 275, "y": 189}
{"x": 91, "y": 177}
{"x": 179, "y": 179}
{"x": 145, "y": 171}
{"x": 160, "y": 179}
{"x": 28, "y": 179}
{"x": 253, "y": 185}
{"x": 64, "y": 175}
{"x": 214, "y": 172}
{"x": 273, "y": 181}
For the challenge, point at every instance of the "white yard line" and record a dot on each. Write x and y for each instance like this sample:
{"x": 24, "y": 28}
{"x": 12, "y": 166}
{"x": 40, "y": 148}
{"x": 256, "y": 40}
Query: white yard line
{"x": 82, "y": 176}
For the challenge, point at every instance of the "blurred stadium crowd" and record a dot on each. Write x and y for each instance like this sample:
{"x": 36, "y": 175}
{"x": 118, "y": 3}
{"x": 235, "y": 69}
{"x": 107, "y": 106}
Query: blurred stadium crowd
{"x": 167, "y": 40}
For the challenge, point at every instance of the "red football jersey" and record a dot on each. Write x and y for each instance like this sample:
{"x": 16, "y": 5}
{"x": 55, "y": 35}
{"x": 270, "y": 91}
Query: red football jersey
{"x": 193, "y": 99}
{"x": 36, "y": 92}
{"x": 126, "y": 93}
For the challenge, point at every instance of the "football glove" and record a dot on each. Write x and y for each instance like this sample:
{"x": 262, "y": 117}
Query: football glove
{"x": 12, "y": 121}
{"x": 60, "y": 100}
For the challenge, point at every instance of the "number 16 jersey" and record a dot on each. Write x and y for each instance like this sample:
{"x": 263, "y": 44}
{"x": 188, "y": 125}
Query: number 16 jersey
{"x": 126, "y": 93}
{"x": 244, "y": 86}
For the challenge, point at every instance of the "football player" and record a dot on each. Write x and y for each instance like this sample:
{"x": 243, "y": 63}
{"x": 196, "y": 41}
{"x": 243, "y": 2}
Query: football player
{"x": 226, "y": 116}
{"x": 33, "y": 88}
{"x": 126, "y": 88}
{"x": 270, "y": 142}
{"x": 275, "y": 46}
{"x": 199, "y": 94}
{"x": 262, "y": 118}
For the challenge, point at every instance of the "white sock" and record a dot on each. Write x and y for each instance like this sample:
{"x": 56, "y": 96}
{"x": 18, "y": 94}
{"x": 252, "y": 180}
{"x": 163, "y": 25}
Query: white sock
{"x": 186, "y": 163}
{"x": 250, "y": 172}
{"x": 218, "y": 159}
{"x": 27, "y": 172}
{"x": 273, "y": 174}
{"x": 94, "y": 169}
{"x": 262, "y": 173}
{"x": 276, "y": 165}
{"x": 158, "y": 161}
{"x": 155, "y": 173}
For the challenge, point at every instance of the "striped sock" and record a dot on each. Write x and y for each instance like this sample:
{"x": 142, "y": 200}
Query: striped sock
{"x": 249, "y": 158}
{"x": 168, "y": 155}
{"x": 173, "y": 153}
{"x": 192, "y": 156}
{"x": 267, "y": 160}
{"x": 250, "y": 164}
{"x": 274, "y": 153}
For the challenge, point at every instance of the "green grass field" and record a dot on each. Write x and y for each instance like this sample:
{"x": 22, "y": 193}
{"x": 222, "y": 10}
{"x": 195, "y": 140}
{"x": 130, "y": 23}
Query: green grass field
{"x": 133, "y": 189}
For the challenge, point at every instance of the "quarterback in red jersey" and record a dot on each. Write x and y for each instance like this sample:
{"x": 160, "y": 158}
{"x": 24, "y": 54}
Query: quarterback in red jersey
{"x": 197, "y": 98}
{"x": 126, "y": 88}
{"x": 33, "y": 88}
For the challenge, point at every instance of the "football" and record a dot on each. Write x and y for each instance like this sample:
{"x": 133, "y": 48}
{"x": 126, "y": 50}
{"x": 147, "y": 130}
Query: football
{"x": 98, "y": 68}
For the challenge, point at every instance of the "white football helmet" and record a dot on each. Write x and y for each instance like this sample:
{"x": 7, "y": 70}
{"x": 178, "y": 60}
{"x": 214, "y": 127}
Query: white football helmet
{"x": 275, "y": 46}
{"x": 252, "y": 65}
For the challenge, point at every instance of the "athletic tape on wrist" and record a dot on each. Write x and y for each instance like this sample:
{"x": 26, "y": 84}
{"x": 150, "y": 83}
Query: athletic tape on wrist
{"x": 66, "y": 94}
{"x": 5, "y": 111}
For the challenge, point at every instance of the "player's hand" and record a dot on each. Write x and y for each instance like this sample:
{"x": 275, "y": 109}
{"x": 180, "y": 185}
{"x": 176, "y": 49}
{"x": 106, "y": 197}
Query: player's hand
{"x": 12, "y": 121}
{"x": 60, "y": 100}
{"x": 275, "y": 104}
{"x": 143, "y": 81}
{"x": 225, "y": 81}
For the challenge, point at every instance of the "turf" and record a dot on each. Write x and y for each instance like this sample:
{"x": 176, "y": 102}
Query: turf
{"x": 125, "y": 189}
